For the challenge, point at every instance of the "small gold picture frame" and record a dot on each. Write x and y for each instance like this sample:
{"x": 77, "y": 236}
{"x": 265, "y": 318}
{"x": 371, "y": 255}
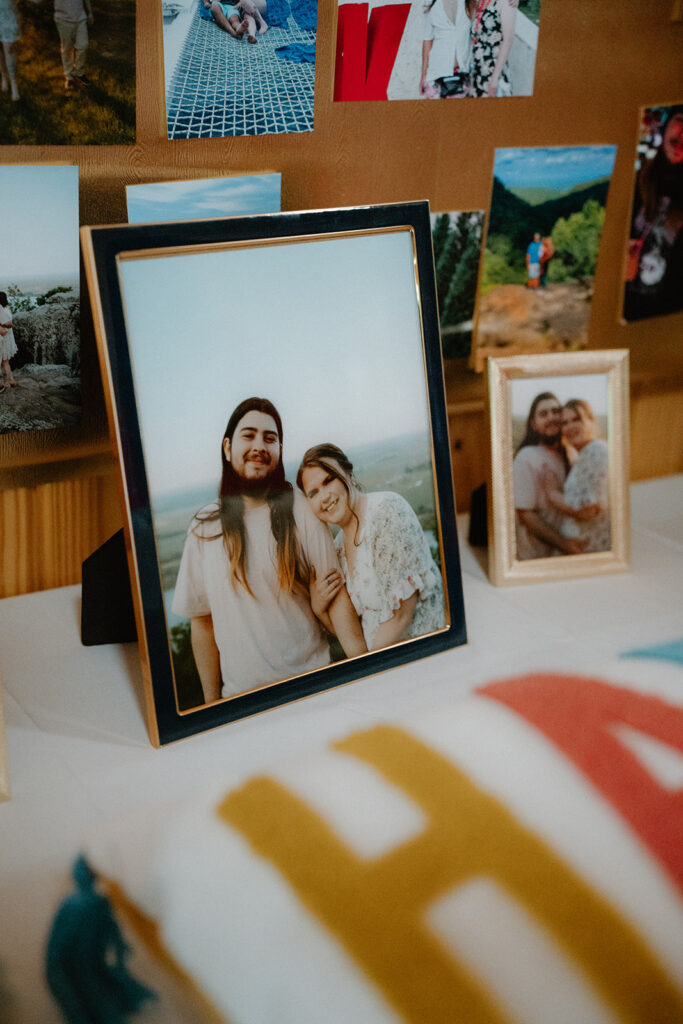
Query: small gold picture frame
{"x": 558, "y": 502}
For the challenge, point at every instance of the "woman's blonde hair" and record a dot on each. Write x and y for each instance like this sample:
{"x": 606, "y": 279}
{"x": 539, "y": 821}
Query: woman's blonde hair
{"x": 584, "y": 411}
{"x": 332, "y": 460}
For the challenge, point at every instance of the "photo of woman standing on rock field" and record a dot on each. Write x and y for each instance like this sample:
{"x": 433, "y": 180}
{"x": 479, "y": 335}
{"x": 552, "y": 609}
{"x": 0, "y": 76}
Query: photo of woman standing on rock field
{"x": 545, "y": 222}
{"x": 8, "y": 346}
{"x": 40, "y": 384}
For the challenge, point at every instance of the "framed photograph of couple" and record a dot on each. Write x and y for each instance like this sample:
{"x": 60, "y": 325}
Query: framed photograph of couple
{"x": 311, "y": 541}
{"x": 559, "y": 472}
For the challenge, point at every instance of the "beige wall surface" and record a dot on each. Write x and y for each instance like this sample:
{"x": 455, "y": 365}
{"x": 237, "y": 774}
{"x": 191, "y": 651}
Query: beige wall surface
{"x": 598, "y": 62}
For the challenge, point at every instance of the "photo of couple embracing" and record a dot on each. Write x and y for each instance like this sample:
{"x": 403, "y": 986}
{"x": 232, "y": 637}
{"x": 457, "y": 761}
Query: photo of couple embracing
{"x": 265, "y": 586}
{"x": 296, "y": 463}
{"x": 561, "y": 468}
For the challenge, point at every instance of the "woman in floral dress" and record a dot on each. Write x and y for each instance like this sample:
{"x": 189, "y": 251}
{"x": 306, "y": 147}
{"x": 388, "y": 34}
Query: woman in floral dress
{"x": 584, "y": 502}
{"x": 392, "y": 579}
{"x": 493, "y": 32}
{"x": 8, "y": 345}
{"x": 10, "y": 33}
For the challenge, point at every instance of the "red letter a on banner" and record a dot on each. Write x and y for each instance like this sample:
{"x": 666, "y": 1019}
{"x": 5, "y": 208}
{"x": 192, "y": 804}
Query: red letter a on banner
{"x": 582, "y": 717}
{"x": 366, "y": 53}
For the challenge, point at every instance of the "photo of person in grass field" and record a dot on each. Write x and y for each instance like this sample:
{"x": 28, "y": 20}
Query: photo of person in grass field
{"x": 67, "y": 71}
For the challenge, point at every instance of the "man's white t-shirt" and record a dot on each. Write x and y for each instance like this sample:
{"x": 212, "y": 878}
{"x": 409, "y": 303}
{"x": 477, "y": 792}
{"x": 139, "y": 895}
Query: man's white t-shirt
{"x": 272, "y": 635}
{"x": 528, "y": 467}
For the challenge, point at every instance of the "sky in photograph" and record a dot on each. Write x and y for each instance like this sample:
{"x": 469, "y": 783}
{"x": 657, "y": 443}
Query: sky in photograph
{"x": 39, "y": 221}
{"x": 207, "y": 197}
{"x": 591, "y": 387}
{"x": 558, "y": 167}
{"x": 328, "y": 330}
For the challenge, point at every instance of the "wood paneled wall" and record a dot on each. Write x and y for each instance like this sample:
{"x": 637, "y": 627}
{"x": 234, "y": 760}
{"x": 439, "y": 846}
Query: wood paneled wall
{"x": 597, "y": 64}
{"x": 48, "y": 530}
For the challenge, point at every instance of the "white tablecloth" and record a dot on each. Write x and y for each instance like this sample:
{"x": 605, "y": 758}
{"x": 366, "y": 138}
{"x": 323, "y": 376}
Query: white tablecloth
{"x": 78, "y": 750}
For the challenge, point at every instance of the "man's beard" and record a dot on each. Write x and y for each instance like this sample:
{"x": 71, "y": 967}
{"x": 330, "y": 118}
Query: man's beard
{"x": 259, "y": 487}
{"x": 551, "y": 440}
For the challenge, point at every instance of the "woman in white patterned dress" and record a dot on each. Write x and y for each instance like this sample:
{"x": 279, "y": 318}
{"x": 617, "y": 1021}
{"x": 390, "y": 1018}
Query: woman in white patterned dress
{"x": 585, "y": 500}
{"x": 8, "y": 345}
{"x": 493, "y": 33}
{"x": 392, "y": 579}
{"x": 10, "y": 34}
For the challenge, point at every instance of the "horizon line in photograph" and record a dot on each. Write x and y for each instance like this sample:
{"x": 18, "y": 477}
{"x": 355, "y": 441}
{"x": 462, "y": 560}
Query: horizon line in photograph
{"x": 37, "y": 283}
{"x": 560, "y": 168}
{"x": 360, "y": 455}
{"x": 40, "y": 289}
{"x": 341, "y": 359}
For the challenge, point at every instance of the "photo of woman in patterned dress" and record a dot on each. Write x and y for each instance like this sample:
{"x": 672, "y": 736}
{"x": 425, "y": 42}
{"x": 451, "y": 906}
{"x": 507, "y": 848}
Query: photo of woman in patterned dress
{"x": 8, "y": 345}
{"x": 493, "y": 33}
{"x": 387, "y": 565}
{"x": 429, "y": 49}
{"x": 584, "y": 502}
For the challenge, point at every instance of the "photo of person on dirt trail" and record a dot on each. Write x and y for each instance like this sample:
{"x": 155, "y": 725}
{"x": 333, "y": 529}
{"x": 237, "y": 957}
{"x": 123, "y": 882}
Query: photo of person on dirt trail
{"x": 546, "y": 218}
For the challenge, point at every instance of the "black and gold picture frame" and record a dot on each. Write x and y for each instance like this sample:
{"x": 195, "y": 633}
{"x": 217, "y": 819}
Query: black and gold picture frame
{"x": 312, "y": 540}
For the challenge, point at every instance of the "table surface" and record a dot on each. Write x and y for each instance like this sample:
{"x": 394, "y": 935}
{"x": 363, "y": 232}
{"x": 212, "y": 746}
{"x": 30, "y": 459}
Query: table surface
{"x": 79, "y": 756}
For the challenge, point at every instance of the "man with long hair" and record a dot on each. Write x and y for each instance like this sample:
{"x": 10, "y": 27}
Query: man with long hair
{"x": 540, "y": 467}
{"x": 246, "y": 568}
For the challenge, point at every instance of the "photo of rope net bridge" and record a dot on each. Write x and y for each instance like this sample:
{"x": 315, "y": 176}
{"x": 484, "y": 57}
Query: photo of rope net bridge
{"x": 218, "y": 85}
